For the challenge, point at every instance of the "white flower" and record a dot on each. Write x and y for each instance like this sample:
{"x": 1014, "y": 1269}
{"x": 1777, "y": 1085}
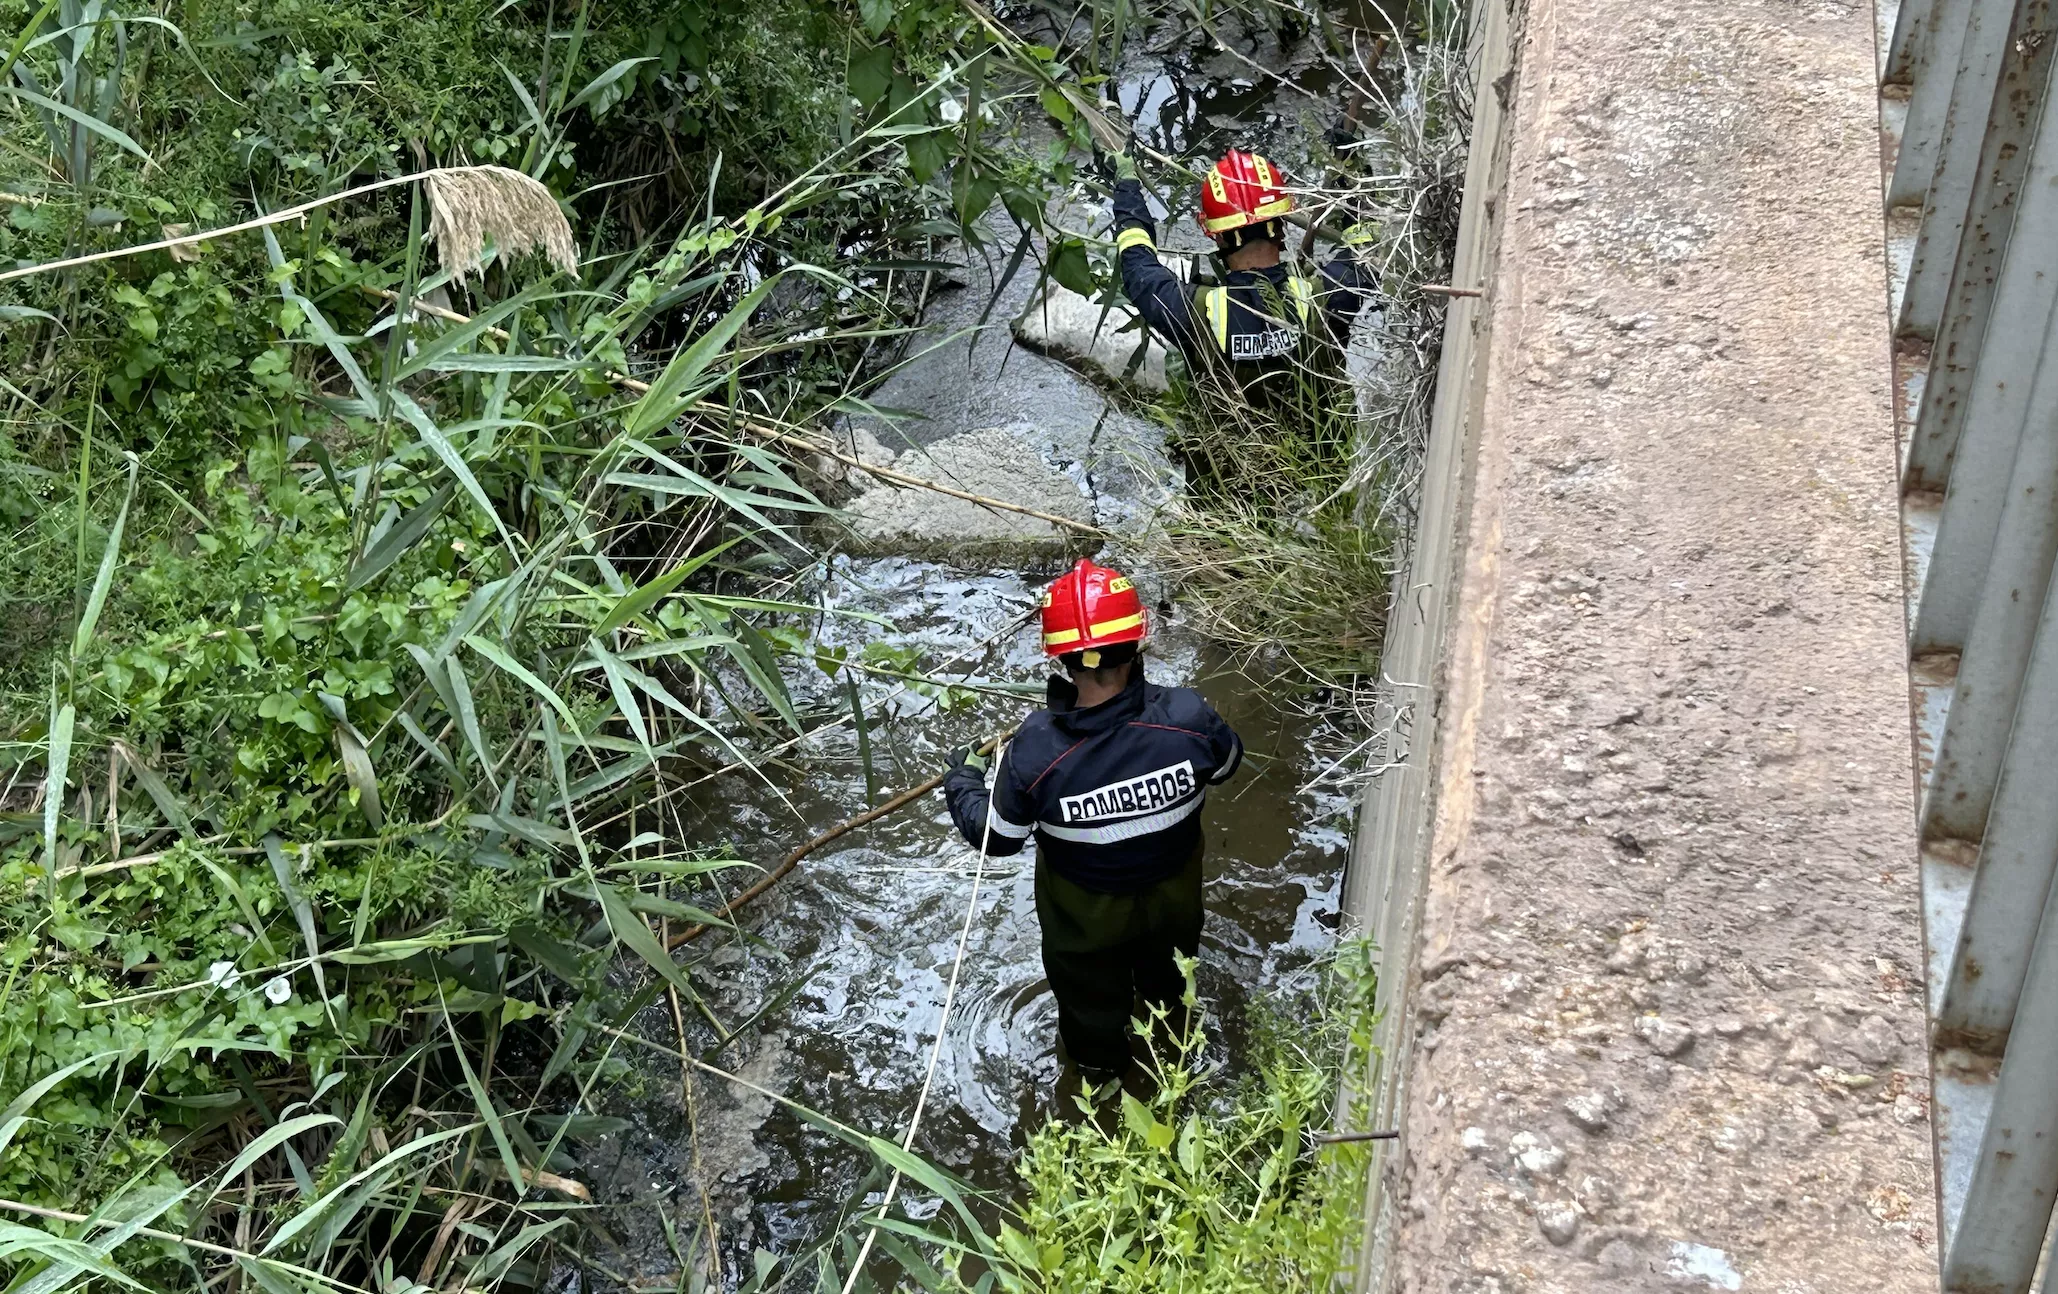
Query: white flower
{"x": 223, "y": 974}
{"x": 278, "y": 989}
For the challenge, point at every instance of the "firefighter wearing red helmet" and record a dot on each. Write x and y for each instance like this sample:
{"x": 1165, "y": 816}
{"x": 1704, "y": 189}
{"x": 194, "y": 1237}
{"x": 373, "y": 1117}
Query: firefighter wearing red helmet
{"x": 1265, "y": 316}
{"x": 1109, "y": 779}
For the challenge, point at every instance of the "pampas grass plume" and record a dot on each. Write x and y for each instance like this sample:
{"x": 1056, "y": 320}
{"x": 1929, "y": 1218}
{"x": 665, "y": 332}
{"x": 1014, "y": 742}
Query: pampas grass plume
{"x": 471, "y": 207}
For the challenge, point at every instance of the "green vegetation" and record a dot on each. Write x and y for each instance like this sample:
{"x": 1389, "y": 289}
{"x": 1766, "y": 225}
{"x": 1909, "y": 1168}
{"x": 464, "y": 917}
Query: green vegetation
{"x": 1303, "y": 505}
{"x": 1204, "y": 1190}
{"x": 362, "y": 614}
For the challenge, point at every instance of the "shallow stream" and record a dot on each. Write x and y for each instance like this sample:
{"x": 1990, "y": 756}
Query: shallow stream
{"x": 853, "y": 952}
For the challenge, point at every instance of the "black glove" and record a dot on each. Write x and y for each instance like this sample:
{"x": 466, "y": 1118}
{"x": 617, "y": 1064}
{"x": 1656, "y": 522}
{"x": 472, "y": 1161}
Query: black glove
{"x": 970, "y": 757}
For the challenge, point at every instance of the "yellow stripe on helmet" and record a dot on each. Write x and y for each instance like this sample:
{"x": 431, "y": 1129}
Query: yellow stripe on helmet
{"x": 1120, "y": 584}
{"x": 1106, "y": 627}
{"x": 1061, "y": 637}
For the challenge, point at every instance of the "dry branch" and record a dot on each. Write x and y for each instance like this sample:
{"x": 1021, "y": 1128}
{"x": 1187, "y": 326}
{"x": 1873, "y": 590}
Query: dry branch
{"x": 765, "y": 431}
{"x": 515, "y": 211}
{"x": 843, "y": 828}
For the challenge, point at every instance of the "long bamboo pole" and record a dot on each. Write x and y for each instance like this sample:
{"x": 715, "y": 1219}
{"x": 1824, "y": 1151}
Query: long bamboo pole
{"x": 188, "y": 240}
{"x": 843, "y": 828}
{"x": 765, "y": 431}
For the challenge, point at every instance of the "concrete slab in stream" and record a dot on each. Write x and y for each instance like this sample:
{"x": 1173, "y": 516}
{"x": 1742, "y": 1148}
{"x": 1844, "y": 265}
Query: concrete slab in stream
{"x": 1100, "y": 339}
{"x": 974, "y": 410}
{"x": 997, "y": 462}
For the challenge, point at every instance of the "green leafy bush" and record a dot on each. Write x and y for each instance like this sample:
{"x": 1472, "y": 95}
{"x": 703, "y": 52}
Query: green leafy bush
{"x": 1203, "y": 1189}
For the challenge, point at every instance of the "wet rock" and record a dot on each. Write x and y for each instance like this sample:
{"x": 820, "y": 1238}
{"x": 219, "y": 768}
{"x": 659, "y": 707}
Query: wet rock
{"x": 1474, "y": 1141}
{"x": 1666, "y": 1038}
{"x": 1102, "y": 339}
{"x": 858, "y": 443}
{"x": 994, "y": 462}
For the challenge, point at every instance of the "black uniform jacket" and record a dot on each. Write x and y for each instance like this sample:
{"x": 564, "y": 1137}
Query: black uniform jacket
{"x": 1256, "y": 319}
{"x": 1112, "y": 793}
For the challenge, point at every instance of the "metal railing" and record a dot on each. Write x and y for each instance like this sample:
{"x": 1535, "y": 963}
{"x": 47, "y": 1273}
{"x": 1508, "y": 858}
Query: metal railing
{"x": 1970, "y": 117}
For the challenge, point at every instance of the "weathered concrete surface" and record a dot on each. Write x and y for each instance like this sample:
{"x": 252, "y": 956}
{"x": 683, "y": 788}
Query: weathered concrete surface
{"x": 1669, "y": 1022}
{"x": 996, "y": 462}
{"x": 965, "y": 376}
{"x": 1098, "y": 338}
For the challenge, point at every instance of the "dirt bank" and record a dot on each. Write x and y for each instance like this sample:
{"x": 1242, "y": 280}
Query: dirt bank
{"x": 1668, "y": 1031}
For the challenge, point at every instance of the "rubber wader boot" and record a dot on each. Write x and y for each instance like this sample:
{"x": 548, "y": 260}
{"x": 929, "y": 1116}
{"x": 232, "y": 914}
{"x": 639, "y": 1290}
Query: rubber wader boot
{"x": 1101, "y": 1093}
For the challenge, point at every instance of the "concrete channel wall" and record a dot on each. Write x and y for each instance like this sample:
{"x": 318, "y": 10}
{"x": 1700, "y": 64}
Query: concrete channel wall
{"x": 1644, "y": 881}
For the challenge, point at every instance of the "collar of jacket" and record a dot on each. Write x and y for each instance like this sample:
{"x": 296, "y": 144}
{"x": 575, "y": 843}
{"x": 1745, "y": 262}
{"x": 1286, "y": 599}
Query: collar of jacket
{"x": 1273, "y": 274}
{"x": 1063, "y": 700}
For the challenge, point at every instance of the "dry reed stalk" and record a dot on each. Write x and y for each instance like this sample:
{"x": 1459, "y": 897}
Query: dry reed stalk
{"x": 765, "y": 431}
{"x": 516, "y": 212}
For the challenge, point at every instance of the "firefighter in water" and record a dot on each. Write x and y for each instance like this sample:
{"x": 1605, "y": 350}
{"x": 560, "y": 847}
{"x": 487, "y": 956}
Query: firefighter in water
{"x": 1110, "y": 779}
{"x": 1265, "y": 318}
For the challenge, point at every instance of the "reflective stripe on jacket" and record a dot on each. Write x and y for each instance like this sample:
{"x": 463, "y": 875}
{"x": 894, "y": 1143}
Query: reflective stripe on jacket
{"x": 1112, "y": 794}
{"x": 1253, "y": 317}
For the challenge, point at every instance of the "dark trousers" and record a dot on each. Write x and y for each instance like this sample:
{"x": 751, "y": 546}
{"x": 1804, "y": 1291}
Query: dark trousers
{"x": 1103, "y": 951}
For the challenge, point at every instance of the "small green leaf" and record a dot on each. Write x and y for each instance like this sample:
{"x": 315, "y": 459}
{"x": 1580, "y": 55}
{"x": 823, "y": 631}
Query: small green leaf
{"x": 17, "y": 1110}
{"x": 669, "y": 396}
{"x": 314, "y": 1212}
{"x": 1189, "y": 1146}
{"x": 1159, "y": 1135}
{"x": 492, "y": 652}
{"x": 926, "y": 156}
{"x": 303, "y": 912}
{"x": 468, "y": 716}
{"x": 871, "y": 72}
{"x": 264, "y": 1144}
{"x": 395, "y": 543}
{"x": 599, "y": 84}
{"x": 628, "y": 928}
{"x": 1070, "y": 267}
{"x": 439, "y": 443}
{"x": 59, "y": 767}
{"x": 640, "y": 600}
{"x": 105, "y": 578}
{"x": 93, "y": 124}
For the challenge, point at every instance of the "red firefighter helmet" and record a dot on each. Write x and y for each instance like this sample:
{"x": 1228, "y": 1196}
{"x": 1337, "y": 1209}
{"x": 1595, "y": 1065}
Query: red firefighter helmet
{"x": 1242, "y": 189}
{"x": 1090, "y": 607}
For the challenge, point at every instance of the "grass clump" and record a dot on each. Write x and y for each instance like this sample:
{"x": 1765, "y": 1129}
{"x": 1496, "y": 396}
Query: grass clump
{"x": 1302, "y": 504}
{"x": 1206, "y": 1187}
